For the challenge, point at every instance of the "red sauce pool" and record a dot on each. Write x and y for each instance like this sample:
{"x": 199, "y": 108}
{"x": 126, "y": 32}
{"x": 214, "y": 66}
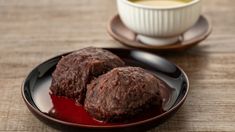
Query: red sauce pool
{"x": 68, "y": 110}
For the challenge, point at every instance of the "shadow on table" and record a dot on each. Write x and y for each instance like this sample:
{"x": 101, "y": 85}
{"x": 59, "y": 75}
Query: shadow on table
{"x": 175, "y": 123}
{"x": 194, "y": 63}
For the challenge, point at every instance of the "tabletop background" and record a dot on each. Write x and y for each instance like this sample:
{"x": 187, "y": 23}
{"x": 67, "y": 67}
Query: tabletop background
{"x": 32, "y": 31}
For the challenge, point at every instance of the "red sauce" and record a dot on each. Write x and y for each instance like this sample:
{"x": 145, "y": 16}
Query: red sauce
{"x": 68, "y": 110}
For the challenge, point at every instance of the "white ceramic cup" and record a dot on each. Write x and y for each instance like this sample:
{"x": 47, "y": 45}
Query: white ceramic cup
{"x": 159, "y": 25}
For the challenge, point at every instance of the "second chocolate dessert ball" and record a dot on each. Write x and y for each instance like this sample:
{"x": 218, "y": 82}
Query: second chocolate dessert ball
{"x": 122, "y": 93}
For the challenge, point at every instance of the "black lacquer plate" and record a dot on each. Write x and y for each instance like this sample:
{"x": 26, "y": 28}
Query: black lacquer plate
{"x": 35, "y": 92}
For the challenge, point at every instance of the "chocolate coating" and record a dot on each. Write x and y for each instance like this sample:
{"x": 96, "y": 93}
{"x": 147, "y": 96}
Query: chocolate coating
{"x": 76, "y": 70}
{"x": 122, "y": 93}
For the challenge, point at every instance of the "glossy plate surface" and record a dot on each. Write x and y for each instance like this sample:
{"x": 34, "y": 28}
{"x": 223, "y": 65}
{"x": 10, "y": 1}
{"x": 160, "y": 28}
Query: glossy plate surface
{"x": 35, "y": 92}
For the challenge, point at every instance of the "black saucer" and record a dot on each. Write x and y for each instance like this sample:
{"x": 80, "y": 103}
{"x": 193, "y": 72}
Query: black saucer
{"x": 35, "y": 91}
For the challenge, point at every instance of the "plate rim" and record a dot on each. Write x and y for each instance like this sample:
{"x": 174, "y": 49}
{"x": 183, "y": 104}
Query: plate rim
{"x": 34, "y": 110}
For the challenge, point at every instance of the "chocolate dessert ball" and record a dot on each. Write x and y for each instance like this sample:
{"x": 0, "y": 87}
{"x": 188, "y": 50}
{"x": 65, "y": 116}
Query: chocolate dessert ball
{"x": 122, "y": 93}
{"x": 74, "y": 71}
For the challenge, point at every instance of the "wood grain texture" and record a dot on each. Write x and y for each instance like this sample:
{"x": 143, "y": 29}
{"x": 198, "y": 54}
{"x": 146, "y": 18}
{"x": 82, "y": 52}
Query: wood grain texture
{"x": 32, "y": 31}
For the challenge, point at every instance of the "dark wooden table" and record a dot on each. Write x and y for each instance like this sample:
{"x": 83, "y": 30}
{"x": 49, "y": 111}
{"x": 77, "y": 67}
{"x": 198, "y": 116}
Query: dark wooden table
{"x": 32, "y": 31}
